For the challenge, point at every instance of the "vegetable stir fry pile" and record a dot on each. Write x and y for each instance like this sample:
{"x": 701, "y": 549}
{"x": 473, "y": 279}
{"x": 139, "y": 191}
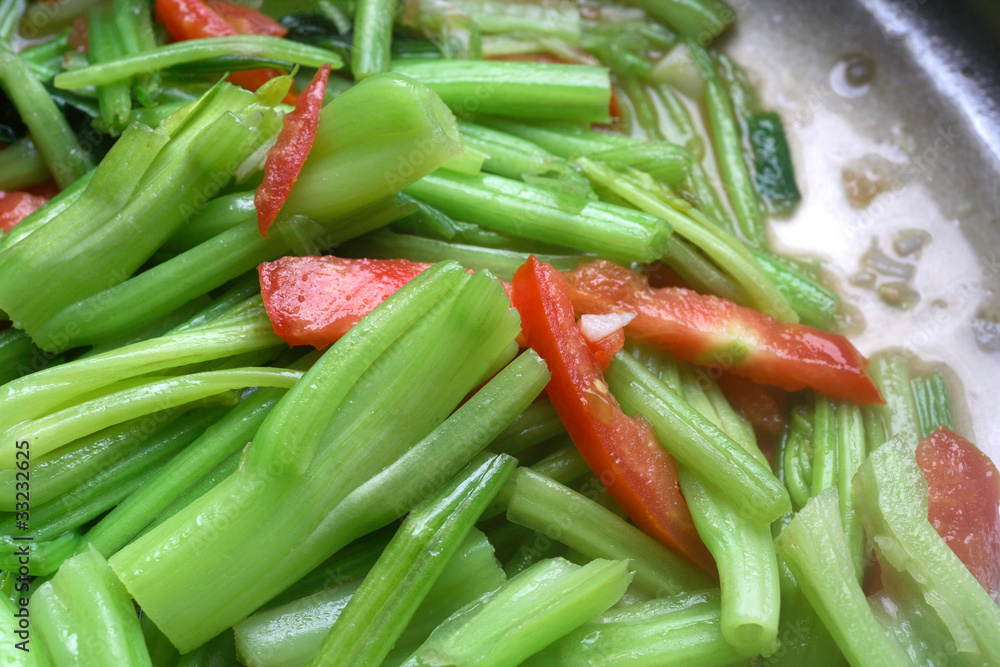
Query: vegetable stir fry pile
{"x": 444, "y": 332}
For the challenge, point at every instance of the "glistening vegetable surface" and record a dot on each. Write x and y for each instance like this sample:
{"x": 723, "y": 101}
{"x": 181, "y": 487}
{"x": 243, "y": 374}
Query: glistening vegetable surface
{"x": 433, "y": 466}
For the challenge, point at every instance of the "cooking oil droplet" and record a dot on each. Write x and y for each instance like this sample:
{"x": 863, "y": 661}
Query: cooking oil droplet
{"x": 852, "y": 75}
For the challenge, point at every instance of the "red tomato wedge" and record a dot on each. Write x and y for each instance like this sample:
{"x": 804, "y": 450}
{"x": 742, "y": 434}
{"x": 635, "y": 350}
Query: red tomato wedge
{"x": 247, "y": 21}
{"x": 606, "y": 348}
{"x": 964, "y": 502}
{"x": 289, "y": 153}
{"x": 713, "y": 331}
{"x": 193, "y": 19}
{"x": 622, "y": 451}
{"x": 316, "y": 300}
{"x": 17, "y": 205}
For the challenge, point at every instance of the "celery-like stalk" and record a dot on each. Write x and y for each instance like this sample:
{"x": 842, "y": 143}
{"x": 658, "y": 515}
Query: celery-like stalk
{"x": 372, "y": 37}
{"x": 668, "y": 632}
{"x": 736, "y": 475}
{"x": 85, "y": 617}
{"x": 891, "y": 494}
{"x": 15, "y": 624}
{"x": 121, "y": 69}
{"x": 815, "y": 549}
{"x": 824, "y": 458}
{"x": 512, "y": 207}
{"x": 933, "y": 405}
{"x": 104, "y": 44}
{"x": 530, "y": 611}
{"x": 516, "y": 89}
{"x": 536, "y": 424}
{"x": 22, "y": 166}
{"x": 383, "y": 605}
{"x": 357, "y": 411}
{"x": 891, "y": 373}
{"x": 557, "y": 511}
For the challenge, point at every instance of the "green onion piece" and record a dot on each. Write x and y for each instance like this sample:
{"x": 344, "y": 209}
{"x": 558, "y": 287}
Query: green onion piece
{"x": 22, "y": 165}
{"x": 62, "y": 153}
{"x": 105, "y": 43}
{"x": 52, "y": 431}
{"x": 530, "y": 611}
{"x": 148, "y": 62}
{"x": 85, "y": 616}
{"x": 891, "y": 373}
{"x": 815, "y": 549}
{"x": 891, "y": 494}
{"x": 560, "y": 513}
{"x": 739, "y": 477}
{"x": 668, "y": 632}
{"x": 372, "y": 44}
{"x": 512, "y": 207}
{"x": 516, "y": 89}
{"x": 501, "y": 263}
{"x": 432, "y": 533}
{"x": 930, "y": 395}
{"x": 222, "y": 439}
{"x": 729, "y": 152}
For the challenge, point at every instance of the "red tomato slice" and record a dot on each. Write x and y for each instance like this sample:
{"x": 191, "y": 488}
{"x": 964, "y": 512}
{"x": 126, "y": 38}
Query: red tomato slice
{"x": 964, "y": 499}
{"x": 247, "y": 21}
{"x": 622, "y": 451}
{"x": 316, "y": 300}
{"x": 193, "y": 19}
{"x": 766, "y": 408}
{"x": 17, "y": 205}
{"x": 289, "y": 153}
{"x": 605, "y": 349}
{"x": 712, "y": 331}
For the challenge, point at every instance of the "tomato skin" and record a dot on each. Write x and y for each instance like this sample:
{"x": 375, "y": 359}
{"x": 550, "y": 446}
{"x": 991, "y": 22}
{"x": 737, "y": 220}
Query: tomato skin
{"x": 16, "y": 205}
{"x": 193, "y": 19}
{"x": 316, "y": 300}
{"x": 289, "y": 153}
{"x": 712, "y": 331}
{"x": 624, "y": 453}
{"x": 963, "y": 489}
{"x": 247, "y": 21}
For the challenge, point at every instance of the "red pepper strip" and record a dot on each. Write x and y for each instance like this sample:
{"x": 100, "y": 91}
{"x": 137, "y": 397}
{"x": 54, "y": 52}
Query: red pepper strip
{"x": 286, "y": 157}
{"x": 712, "y": 331}
{"x": 621, "y": 450}
{"x": 963, "y": 501}
{"x": 764, "y": 407}
{"x": 193, "y": 19}
{"x": 247, "y": 21}
{"x": 17, "y": 205}
{"x": 605, "y": 349}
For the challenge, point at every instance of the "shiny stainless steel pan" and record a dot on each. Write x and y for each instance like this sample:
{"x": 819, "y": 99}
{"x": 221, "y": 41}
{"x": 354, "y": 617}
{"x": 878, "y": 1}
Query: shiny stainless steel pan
{"x": 893, "y": 109}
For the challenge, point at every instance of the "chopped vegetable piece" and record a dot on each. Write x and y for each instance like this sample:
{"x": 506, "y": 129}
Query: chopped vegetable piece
{"x": 289, "y": 153}
{"x": 18, "y": 205}
{"x": 247, "y": 21}
{"x": 963, "y": 503}
{"x": 622, "y": 451}
{"x": 766, "y": 408}
{"x": 712, "y": 331}
{"x": 606, "y": 348}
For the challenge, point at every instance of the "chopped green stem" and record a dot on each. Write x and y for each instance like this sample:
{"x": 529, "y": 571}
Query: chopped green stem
{"x": 512, "y": 207}
{"x": 815, "y": 549}
{"x": 933, "y": 404}
{"x": 567, "y": 140}
{"x": 34, "y": 395}
{"x": 680, "y": 129}
{"x": 536, "y": 424}
{"x": 700, "y": 20}
{"x": 729, "y": 152}
{"x": 219, "y": 215}
{"x": 105, "y": 43}
{"x": 571, "y": 518}
{"x": 824, "y": 466}
{"x": 54, "y": 430}
{"x": 59, "y": 148}
{"x": 852, "y": 449}
{"x": 707, "y": 199}
{"x": 723, "y": 248}
{"x": 738, "y": 476}
{"x": 112, "y": 483}
{"x": 646, "y": 113}
{"x": 516, "y": 89}
{"x": 433, "y": 532}
{"x": 11, "y": 653}
{"x": 797, "y": 451}
{"x": 666, "y": 162}
{"x": 891, "y": 373}
{"x": 22, "y": 165}
{"x": 425, "y": 221}
{"x": 372, "y": 44}
{"x": 891, "y": 494}
{"x": 354, "y": 416}
{"x": 701, "y": 273}
{"x": 18, "y": 355}
{"x": 10, "y": 14}
{"x": 221, "y": 440}
{"x": 122, "y": 69}
{"x": 668, "y": 632}
{"x": 85, "y": 616}
{"x": 538, "y": 606}
{"x": 501, "y": 263}
{"x": 46, "y": 557}
{"x": 564, "y": 465}
{"x": 816, "y": 304}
